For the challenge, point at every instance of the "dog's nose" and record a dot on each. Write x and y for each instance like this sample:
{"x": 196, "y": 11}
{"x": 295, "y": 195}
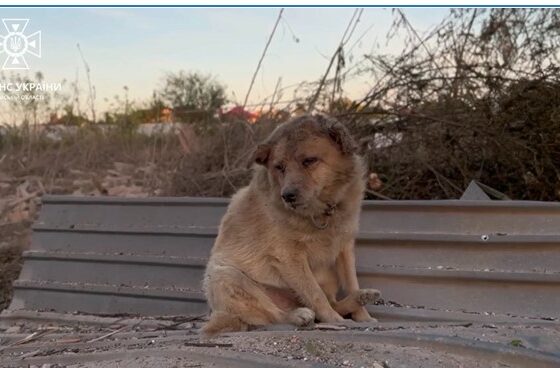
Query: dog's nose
{"x": 289, "y": 195}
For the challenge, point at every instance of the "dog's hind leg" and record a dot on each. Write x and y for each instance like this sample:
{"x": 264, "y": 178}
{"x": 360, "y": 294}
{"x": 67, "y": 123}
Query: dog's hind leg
{"x": 223, "y": 322}
{"x": 353, "y": 302}
{"x": 238, "y": 302}
{"x": 346, "y": 269}
{"x": 356, "y": 300}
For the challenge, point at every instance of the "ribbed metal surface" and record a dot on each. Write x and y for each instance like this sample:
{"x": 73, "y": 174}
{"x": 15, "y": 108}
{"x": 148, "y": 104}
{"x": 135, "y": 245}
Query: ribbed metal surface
{"x": 111, "y": 255}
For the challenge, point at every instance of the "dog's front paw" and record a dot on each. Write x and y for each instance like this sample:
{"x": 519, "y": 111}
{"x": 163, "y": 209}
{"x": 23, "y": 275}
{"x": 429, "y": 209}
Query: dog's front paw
{"x": 302, "y": 317}
{"x": 367, "y": 296}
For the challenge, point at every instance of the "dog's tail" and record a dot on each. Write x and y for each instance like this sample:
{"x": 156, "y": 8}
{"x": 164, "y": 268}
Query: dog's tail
{"x": 223, "y": 322}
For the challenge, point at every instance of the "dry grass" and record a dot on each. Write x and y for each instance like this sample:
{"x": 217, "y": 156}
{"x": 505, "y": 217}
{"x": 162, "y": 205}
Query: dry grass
{"x": 222, "y": 162}
{"x": 14, "y": 239}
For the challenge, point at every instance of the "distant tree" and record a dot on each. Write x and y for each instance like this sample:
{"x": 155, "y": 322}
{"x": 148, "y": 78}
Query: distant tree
{"x": 193, "y": 96}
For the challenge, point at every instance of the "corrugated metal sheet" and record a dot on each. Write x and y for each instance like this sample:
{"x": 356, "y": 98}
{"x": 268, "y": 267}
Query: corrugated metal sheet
{"x": 106, "y": 255}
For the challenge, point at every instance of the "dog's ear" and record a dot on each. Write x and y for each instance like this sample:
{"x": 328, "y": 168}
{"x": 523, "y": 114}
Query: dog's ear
{"x": 262, "y": 154}
{"x": 341, "y": 136}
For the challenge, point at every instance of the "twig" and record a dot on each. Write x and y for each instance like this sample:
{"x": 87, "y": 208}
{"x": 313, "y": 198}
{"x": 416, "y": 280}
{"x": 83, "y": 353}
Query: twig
{"x": 68, "y": 341}
{"x": 371, "y": 95}
{"x": 432, "y": 56}
{"x": 21, "y": 200}
{"x": 30, "y": 354}
{"x": 32, "y": 337}
{"x": 325, "y": 326}
{"x": 262, "y": 57}
{"x": 179, "y": 322}
{"x": 377, "y": 194}
{"x": 460, "y": 61}
{"x": 439, "y": 175}
{"x": 90, "y": 86}
{"x": 182, "y": 318}
{"x": 331, "y": 62}
{"x": 273, "y": 95}
{"x": 340, "y": 64}
{"x": 109, "y": 334}
{"x": 208, "y": 344}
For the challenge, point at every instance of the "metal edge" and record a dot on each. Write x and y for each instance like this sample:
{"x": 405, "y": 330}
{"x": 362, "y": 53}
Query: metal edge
{"x": 118, "y": 258}
{"x": 363, "y": 236}
{"x": 191, "y": 231}
{"x": 427, "y": 315}
{"x": 181, "y": 201}
{"x": 456, "y": 203}
{"x": 135, "y": 292}
{"x": 366, "y": 204}
{"x": 464, "y": 275}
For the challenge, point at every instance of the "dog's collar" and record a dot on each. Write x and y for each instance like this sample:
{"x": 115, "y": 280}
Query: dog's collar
{"x": 327, "y": 214}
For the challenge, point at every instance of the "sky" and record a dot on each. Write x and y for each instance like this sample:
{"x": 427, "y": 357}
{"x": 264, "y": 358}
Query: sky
{"x": 136, "y": 47}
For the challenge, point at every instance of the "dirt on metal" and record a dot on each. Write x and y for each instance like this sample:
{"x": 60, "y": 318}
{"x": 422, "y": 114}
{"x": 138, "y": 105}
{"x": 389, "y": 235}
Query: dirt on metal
{"x": 76, "y": 341}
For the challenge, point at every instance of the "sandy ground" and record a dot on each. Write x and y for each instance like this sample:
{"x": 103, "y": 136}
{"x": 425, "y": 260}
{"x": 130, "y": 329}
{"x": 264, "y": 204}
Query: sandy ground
{"x": 176, "y": 343}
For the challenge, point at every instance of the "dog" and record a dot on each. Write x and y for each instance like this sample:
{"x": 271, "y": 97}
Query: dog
{"x": 285, "y": 247}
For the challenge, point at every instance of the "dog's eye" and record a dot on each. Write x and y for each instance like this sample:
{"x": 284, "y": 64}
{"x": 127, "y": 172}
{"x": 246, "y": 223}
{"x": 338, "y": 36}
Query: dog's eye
{"x": 309, "y": 161}
{"x": 280, "y": 168}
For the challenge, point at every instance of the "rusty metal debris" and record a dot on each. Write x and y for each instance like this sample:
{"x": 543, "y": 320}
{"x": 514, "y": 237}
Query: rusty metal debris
{"x": 434, "y": 260}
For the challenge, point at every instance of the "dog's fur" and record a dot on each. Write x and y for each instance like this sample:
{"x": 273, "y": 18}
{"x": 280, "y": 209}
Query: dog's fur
{"x": 282, "y": 259}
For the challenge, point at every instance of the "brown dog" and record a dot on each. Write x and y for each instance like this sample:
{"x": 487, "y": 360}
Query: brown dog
{"x": 286, "y": 244}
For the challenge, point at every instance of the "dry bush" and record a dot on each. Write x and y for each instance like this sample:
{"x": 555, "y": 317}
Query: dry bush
{"x": 222, "y": 162}
{"x": 511, "y": 144}
{"x": 476, "y": 98}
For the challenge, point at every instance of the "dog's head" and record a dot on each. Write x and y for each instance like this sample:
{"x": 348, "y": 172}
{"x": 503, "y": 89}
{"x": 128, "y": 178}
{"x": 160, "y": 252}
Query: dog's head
{"x": 310, "y": 160}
